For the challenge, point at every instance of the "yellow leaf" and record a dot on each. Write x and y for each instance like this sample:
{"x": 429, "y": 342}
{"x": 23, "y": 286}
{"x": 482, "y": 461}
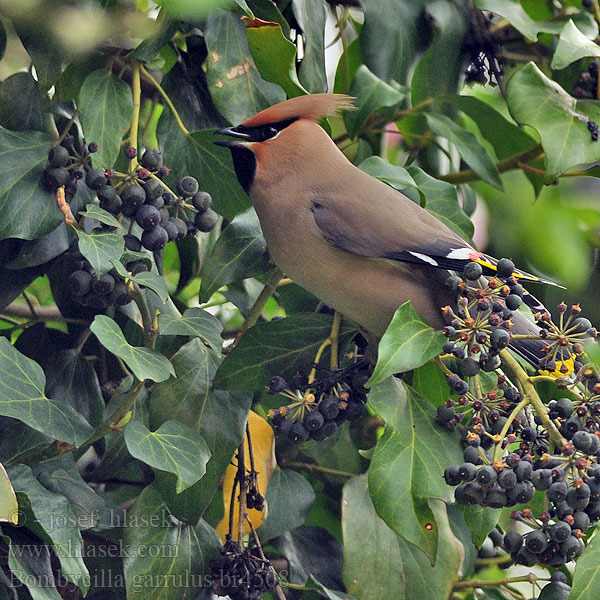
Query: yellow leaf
{"x": 9, "y": 507}
{"x": 264, "y": 462}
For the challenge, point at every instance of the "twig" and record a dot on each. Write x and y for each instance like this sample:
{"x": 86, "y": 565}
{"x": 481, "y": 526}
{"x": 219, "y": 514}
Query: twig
{"x": 136, "y": 88}
{"x": 164, "y": 94}
{"x": 241, "y": 477}
{"x": 140, "y": 300}
{"x": 319, "y": 468}
{"x": 473, "y": 583}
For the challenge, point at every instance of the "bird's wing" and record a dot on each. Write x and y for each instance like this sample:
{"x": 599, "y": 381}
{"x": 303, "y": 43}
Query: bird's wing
{"x": 406, "y": 233}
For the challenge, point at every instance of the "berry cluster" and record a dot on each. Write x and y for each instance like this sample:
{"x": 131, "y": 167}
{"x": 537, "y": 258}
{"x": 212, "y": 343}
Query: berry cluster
{"x": 240, "y": 574}
{"x": 96, "y": 292}
{"x": 315, "y": 410}
{"x": 485, "y": 63}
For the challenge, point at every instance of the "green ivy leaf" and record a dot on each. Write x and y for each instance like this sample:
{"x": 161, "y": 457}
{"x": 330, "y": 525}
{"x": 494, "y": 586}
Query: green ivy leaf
{"x": 93, "y": 211}
{"x": 503, "y": 134}
{"x": 275, "y": 55}
{"x": 312, "y": 16}
{"x": 239, "y": 253}
{"x": 440, "y": 68}
{"x": 398, "y": 23}
{"x": 289, "y": 498}
{"x": 561, "y": 121}
{"x": 22, "y": 397}
{"x": 281, "y": 347}
{"x": 21, "y": 104}
{"x": 372, "y": 95}
{"x": 105, "y": 109}
{"x": 470, "y": 148}
{"x": 442, "y": 202}
{"x": 398, "y": 177}
{"x": 102, "y": 250}
{"x": 512, "y": 11}
{"x": 173, "y": 447}
{"x": 145, "y": 363}
{"x": 27, "y": 210}
{"x": 408, "y": 461}
{"x": 147, "y": 279}
{"x": 572, "y": 45}
{"x": 185, "y": 551}
{"x": 220, "y": 418}
{"x": 480, "y": 521}
{"x": 235, "y": 84}
{"x": 409, "y": 573}
{"x": 194, "y": 322}
{"x": 429, "y": 381}
{"x": 30, "y": 563}
{"x": 41, "y": 508}
{"x": 408, "y": 343}
{"x": 586, "y": 582}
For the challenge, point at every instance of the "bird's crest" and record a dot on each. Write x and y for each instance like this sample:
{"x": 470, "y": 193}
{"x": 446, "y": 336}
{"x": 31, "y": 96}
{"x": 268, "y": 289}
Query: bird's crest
{"x": 312, "y": 107}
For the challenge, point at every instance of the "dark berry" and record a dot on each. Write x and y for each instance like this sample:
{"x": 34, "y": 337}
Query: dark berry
{"x": 528, "y": 434}
{"x": 536, "y": 542}
{"x": 155, "y": 239}
{"x": 472, "y": 455}
{"x": 469, "y": 493}
{"x": 104, "y": 285}
{"x": 95, "y": 179}
{"x": 132, "y": 243}
{"x": 507, "y": 479}
{"x": 559, "y": 532}
{"x": 523, "y": 470}
{"x": 512, "y": 394}
{"x": 444, "y": 414}
{"x": 467, "y": 471}
{"x": 521, "y": 493}
{"x": 581, "y": 521}
{"x": 571, "y": 548}
{"x": 180, "y": 226}
{"x": 57, "y": 177}
{"x": 298, "y": 433}
{"x": 154, "y": 189}
{"x": 557, "y": 491}
{"x": 80, "y": 282}
{"x": 587, "y": 4}
{"x": 499, "y": 339}
{"x": 168, "y": 198}
{"x": 328, "y": 429}
{"x": 469, "y": 367}
{"x": 147, "y": 217}
{"x": 329, "y": 407}
{"x": 513, "y": 541}
{"x": 137, "y": 266}
{"x": 525, "y": 557}
{"x": 581, "y": 324}
{"x": 472, "y": 271}
{"x": 171, "y": 230}
{"x": 277, "y": 384}
{"x": 496, "y": 498}
{"x": 206, "y": 221}
{"x": 58, "y": 157}
{"x": 119, "y": 295}
{"x": 313, "y": 420}
{"x": 202, "y": 201}
{"x": 486, "y": 475}
{"x": 191, "y": 228}
{"x": 564, "y": 407}
{"x": 354, "y": 410}
{"x": 133, "y": 196}
{"x": 109, "y": 199}
{"x": 505, "y": 267}
{"x": 582, "y": 440}
{"x": 542, "y": 479}
{"x": 151, "y": 159}
{"x": 187, "y": 186}
{"x": 452, "y": 283}
{"x": 513, "y": 301}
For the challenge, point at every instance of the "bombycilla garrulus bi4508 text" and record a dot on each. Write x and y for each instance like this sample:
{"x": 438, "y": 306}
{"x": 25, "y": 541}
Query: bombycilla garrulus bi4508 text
{"x": 353, "y": 241}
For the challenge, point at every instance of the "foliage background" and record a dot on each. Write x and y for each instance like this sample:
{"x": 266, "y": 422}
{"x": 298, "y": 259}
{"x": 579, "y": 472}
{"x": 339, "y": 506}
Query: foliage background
{"x": 460, "y": 153}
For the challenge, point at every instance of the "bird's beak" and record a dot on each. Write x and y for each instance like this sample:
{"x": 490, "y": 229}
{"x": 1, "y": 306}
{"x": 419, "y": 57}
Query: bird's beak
{"x": 233, "y": 132}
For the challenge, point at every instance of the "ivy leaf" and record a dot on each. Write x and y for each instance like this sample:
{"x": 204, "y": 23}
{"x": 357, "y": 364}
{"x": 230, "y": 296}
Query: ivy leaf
{"x": 470, "y": 148}
{"x": 8, "y": 501}
{"x": 561, "y": 121}
{"x": 27, "y": 210}
{"x": 586, "y": 581}
{"x": 398, "y": 177}
{"x": 572, "y": 45}
{"x": 235, "y": 84}
{"x": 173, "y": 447}
{"x": 145, "y": 363}
{"x": 442, "y": 202}
{"x": 93, "y": 211}
{"x": 409, "y": 573}
{"x": 239, "y": 253}
{"x": 372, "y": 95}
{"x": 408, "y": 343}
{"x": 41, "y": 508}
{"x": 480, "y": 521}
{"x": 22, "y": 397}
{"x": 281, "y": 347}
{"x": 289, "y": 498}
{"x": 22, "y": 107}
{"x": 398, "y": 23}
{"x": 406, "y": 466}
{"x": 147, "y": 279}
{"x": 275, "y": 55}
{"x": 101, "y": 249}
{"x": 194, "y": 322}
{"x": 513, "y": 12}
{"x": 312, "y": 16}
{"x": 185, "y": 551}
{"x": 105, "y": 109}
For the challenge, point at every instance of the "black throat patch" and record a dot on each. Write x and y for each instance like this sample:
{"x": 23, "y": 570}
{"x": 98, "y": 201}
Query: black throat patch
{"x": 244, "y": 163}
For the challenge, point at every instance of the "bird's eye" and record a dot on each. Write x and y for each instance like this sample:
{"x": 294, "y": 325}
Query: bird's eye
{"x": 270, "y": 132}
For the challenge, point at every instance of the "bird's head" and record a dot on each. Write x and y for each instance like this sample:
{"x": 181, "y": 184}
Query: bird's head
{"x": 277, "y": 131}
